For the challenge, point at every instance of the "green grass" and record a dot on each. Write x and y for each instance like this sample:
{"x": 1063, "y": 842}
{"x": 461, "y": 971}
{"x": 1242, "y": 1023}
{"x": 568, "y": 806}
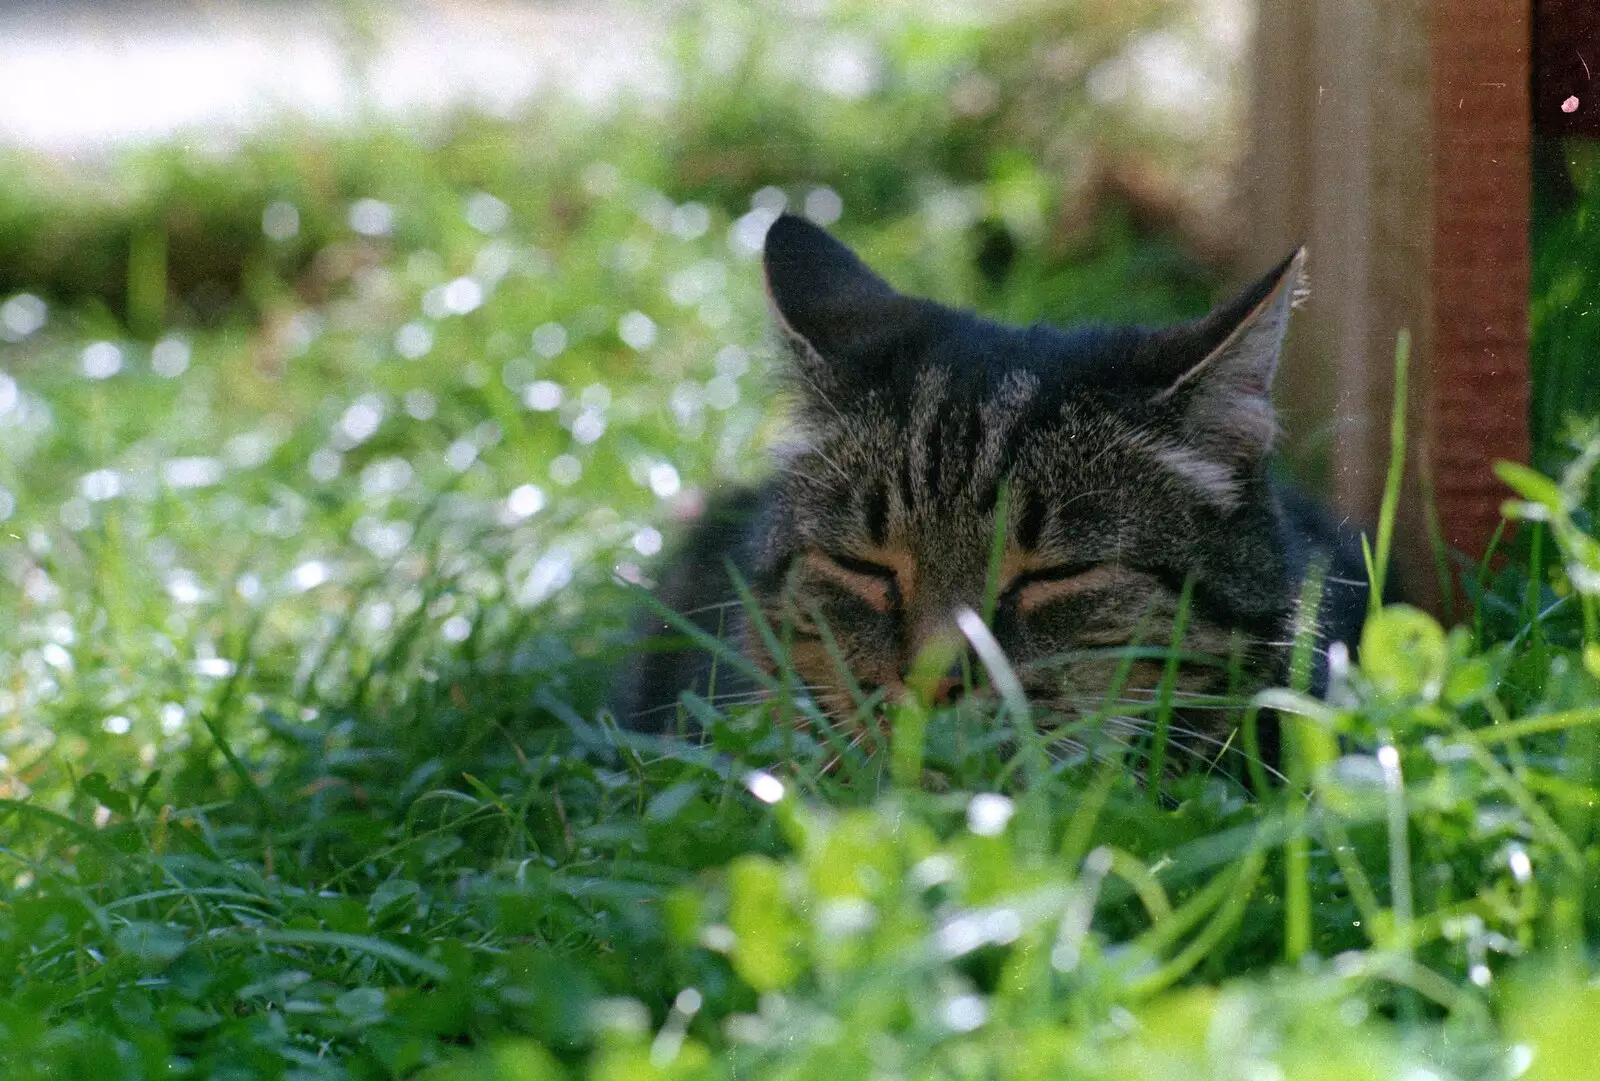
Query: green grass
{"x": 305, "y": 772}
{"x": 1564, "y": 319}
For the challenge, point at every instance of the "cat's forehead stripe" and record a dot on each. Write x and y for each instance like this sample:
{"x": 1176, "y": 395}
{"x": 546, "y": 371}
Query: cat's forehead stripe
{"x": 1000, "y": 418}
{"x": 952, "y": 445}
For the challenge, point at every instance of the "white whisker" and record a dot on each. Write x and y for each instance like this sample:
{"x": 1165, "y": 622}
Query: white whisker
{"x": 711, "y": 607}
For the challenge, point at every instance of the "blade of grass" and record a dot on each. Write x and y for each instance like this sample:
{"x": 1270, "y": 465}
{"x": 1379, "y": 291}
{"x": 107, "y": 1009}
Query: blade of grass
{"x": 1230, "y": 910}
{"x": 1355, "y": 876}
{"x": 1169, "y": 680}
{"x": 377, "y": 948}
{"x": 1409, "y": 974}
{"x": 1573, "y": 889}
{"x": 1295, "y": 743}
{"x": 782, "y": 654}
{"x": 1080, "y": 829}
{"x": 1532, "y": 594}
{"x": 1001, "y": 675}
{"x": 83, "y": 833}
{"x": 215, "y": 719}
{"x": 1119, "y": 679}
{"x": 1250, "y": 739}
{"x": 1482, "y": 579}
{"x": 908, "y": 743}
{"x": 1402, "y": 908}
{"x": 786, "y": 684}
{"x": 1378, "y": 562}
{"x": 1033, "y": 827}
{"x": 845, "y": 752}
{"x": 1133, "y": 871}
{"x": 1186, "y": 917}
{"x": 1307, "y": 619}
{"x": 1436, "y": 544}
{"x": 1538, "y": 817}
{"x": 1531, "y": 726}
{"x": 715, "y": 646}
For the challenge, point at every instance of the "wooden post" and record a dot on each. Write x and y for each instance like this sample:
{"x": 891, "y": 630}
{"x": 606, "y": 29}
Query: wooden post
{"x": 1410, "y": 189}
{"x": 1479, "y": 392}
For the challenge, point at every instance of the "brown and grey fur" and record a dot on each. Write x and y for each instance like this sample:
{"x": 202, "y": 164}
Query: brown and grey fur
{"x": 1133, "y": 460}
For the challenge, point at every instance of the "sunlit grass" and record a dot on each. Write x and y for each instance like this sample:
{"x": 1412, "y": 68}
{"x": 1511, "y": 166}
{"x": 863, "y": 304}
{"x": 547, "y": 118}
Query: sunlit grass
{"x": 316, "y": 596}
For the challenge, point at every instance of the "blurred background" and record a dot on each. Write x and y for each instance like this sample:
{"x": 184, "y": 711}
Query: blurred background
{"x": 1130, "y": 104}
{"x": 415, "y": 327}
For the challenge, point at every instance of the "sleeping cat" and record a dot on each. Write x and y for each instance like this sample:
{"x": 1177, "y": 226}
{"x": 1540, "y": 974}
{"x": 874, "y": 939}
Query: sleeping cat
{"x": 1127, "y": 462}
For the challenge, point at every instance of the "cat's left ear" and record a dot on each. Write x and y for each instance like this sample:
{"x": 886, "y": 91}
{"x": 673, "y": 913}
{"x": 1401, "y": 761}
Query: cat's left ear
{"x": 842, "y": 319}
{"x": 1225, "y": 396}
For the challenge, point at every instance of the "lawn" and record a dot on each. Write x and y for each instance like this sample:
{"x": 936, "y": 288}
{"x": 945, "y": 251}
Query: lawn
{"x": 326, "y": 463}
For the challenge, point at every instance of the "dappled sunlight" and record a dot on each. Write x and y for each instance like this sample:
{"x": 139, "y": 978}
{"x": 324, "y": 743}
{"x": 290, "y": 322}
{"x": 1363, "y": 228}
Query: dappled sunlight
{"x": 358, "y": 366}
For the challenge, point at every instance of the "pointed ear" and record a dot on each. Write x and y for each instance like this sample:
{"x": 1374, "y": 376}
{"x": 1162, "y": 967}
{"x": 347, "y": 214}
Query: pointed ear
{"x": 1225, "y": 396}
{"x": 841, "y": 318}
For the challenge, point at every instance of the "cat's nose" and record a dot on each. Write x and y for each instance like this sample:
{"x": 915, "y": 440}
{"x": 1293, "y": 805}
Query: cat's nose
{"x": 939, "y": 666}
{"x": 948, "y": 692}
{"x": 950, "y": 688}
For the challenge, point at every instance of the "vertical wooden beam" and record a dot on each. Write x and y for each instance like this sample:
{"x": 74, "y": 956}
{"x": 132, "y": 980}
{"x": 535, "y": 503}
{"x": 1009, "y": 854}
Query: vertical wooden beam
{"x": 1341, "y": 126}
{"x": 1402, "y": 127}
{"x": 1345, "y": 147}
{"x": 1277, "y": 201}
{"x": 1478, "y": 386}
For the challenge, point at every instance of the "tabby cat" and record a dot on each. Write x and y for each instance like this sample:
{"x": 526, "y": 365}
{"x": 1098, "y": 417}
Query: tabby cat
{"x": 1127, "y": 461}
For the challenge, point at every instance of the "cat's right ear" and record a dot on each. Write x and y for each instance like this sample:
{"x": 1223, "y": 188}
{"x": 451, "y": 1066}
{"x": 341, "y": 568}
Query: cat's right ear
{"x": 1218, "y": 372}
{"x": 842, "y": 319}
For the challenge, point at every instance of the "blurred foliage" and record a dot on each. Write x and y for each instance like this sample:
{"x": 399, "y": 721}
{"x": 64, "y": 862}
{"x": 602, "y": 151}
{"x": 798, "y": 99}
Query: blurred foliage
{"x": 1563, "y": 317}
{"x": 320, "y": 460}
{"x": 986, "y": 125}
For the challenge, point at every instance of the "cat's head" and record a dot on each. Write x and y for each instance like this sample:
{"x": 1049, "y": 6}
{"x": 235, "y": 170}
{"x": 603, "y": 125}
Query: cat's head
{"x": 1132, "y": 460}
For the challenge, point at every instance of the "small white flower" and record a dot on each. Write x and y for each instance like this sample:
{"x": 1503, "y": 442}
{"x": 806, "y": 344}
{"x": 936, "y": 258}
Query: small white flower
{"x": 988, "y": 813}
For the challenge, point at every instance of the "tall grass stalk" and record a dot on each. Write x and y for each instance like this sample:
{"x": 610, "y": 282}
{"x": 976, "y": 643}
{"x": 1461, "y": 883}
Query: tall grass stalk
{"x": 997, "y": 552}
{"x": 1297, "y": 738}
{"x": 1164, "y": 693}
{"x": 1378, "y": 561}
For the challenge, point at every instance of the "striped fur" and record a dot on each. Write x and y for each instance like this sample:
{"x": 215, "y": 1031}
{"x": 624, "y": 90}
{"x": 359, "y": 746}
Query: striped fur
{"x": 1132, "y": 461}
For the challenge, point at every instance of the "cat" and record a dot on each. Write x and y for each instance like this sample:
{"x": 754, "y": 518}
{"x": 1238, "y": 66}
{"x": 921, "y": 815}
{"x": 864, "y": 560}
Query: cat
{"x": 1127, "y": 462}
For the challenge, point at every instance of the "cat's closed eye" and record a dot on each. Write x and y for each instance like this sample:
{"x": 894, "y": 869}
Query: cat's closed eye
{"x": 1056, "y": 573}
{"x": 1035, "y": 588}
{"x": 883, "y": 587}
{"x": 863, "y": 567}
{"x": 877, "y": 584}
